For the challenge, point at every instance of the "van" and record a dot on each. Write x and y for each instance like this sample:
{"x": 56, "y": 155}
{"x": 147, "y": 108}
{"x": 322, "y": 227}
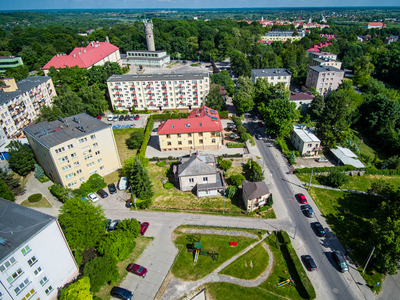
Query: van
{"x": 110, "y": 118}
{"x": 341, "y": 262}
{"x": 123, "y": 183}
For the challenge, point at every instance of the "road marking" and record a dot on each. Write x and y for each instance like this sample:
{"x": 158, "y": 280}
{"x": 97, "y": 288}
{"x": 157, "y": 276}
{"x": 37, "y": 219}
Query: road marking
{"x": 143, "y": 294}
{"x": 162, "y": 262}
{"x": 168, "y": 253}
{"x": 150, "y": 283}
{"x": 158, "y": 272}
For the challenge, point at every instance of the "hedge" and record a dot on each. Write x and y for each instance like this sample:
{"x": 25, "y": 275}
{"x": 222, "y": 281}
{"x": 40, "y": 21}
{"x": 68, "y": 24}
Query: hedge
{"x": 235, "y": 145}
{"x": 35, "y": 198}
{"x": 325, "y": 169}
{"x": 223, "y": 114}
{"x": 161, "y": 163}
{"x": 168, "y": 185}
{"x": 147, "y": 134}
{"x": 375, "y": 171}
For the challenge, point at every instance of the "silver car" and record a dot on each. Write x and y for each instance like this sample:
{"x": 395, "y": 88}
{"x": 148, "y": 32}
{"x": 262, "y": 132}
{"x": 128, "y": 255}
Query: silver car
{"x": 308, "y": 210}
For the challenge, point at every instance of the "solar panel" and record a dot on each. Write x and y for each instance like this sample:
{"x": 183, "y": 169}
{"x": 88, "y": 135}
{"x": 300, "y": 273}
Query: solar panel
{"x": 208, "y": 115}
{"x": 214, "y": 118}
{"x": 213, "y": 111}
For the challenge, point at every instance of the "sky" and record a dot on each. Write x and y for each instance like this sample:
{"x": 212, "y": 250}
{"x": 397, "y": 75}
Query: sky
{"x": 160, "y": 4}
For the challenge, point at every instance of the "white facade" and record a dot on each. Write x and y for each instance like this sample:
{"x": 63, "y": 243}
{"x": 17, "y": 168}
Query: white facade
{"x": 157, "y": 59}
{"x": 158, "y": 91}
{"x": 273, "y": 76}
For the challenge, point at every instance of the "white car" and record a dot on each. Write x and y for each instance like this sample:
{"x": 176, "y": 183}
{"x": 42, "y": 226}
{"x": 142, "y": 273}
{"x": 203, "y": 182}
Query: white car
{"x": 110, "y": 118}
{"x": 258, "y": 136}
{"x": 123, "y": 184}
{"x": 93, "y": 197}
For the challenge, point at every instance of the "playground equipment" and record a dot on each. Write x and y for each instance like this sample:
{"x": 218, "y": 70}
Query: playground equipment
{"x": 285, "y": 282}
{"x": 195, "y": 240}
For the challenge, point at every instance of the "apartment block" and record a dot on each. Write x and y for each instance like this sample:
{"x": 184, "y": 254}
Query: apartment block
{"x": 322, "y": 54}
{"x": 283, "y": 35}
{"x": 71, "y": 149}
{"x": 274, "y": 76}
{"x": 324, "y": 79}
{"x": 159, "y": 91}
{"x": 20, "y": 102}
{"x": 7, "y": 62}
{"x": 201, "y": 130}
{"x": 326, "y": 62}
{"x": 35, "y": 259}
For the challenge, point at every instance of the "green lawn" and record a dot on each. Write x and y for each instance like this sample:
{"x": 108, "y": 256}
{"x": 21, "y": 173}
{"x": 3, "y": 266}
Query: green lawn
{"x": 121, "y": 135}
{"x": 348, "y": 215}
{"x": 184, "y": 267}
{"x": 250, "y": 265}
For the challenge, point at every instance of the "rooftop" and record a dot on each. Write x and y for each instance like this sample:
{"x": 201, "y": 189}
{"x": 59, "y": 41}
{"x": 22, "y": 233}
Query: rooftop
{"x": 56, "y": 132}
{"x": 271, "y": 72}
{"x": 301, "y": 96}
{"x": 347, "y": 157}
{"x": 305, "y": 134}
{"x": 195, "y": 165}
{"x": 320, "y": 69}
{"x": 254, "y": 190}
{"x": 18, "y": 224}
{"x": 144, "y": 51}
{"x": 158, "y": 76}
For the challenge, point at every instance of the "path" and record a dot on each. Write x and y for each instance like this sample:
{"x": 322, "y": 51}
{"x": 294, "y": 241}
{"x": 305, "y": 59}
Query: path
{"x": 220, "y": 232}
{"x": 176, "y": 289}
{"x": 335, "y": 189}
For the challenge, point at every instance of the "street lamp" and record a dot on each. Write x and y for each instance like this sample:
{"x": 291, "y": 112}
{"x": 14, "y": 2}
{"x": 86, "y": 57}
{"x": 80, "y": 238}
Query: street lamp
{"x": 133, "y": 197}
{"x": 223, "y": 207}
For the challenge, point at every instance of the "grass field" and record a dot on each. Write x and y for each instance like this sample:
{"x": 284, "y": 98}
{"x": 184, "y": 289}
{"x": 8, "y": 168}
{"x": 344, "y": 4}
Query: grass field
{"x": 44, "y": 202}
{"x": 121, "y": 135}
{"x": 113, "y": 177}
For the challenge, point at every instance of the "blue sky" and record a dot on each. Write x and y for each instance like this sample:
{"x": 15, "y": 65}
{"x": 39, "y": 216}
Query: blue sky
{"x": 159, "y": 4}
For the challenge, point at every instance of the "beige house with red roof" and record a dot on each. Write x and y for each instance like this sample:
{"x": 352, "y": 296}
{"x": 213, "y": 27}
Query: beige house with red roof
{"x": 201, "y": 130}
{"x": 95, "y": 54}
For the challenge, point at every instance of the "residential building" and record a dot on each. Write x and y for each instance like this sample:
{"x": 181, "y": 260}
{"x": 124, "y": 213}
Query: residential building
{"x": 198, "y": 174}
{"x": 317, "y": 47}
{"x": 344, "y": 156}
{"x": 144, "y": 58}
{"x": 322, "y": 55}
{"x": 326, "y": 62}
{"x": 20, "y": 102}
{"x": 379, "y": 25}
{"x": 255, "y": 194}
{"x": 7, "y": 62}
{"x": 94, "y": 54}
{"x": 35, "y": 259}
{"x": 201, "y": 130}
{"x": 284, "y": 35}
{"x": 324, "y": 79}
{"x": 273, "y": 75}
{"x": 159, "y": 91}
{"x": 305, "y": 141}
{"x": 302, "y": 100}
{"x": 71, "y": 149}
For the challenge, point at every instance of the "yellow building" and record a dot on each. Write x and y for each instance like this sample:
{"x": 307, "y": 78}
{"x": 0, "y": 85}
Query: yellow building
{"x": 201, "y": 130}
{"x": 71, "y": 149}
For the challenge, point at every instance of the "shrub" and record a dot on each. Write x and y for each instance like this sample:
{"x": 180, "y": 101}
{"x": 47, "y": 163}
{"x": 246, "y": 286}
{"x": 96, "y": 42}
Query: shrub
{"x": 325, "y": 169}
{"x": 168, "y": 185}
{"x": 235, "y": 145}
{"x": 292, "y": 158}
{"x": 101, "y": 270}
{"x": 94, "y": 183}
{"x": 241, "y": 129}
{"x": 337, "y": 178}
{"x": 223, "y": 114}
{"x": 251, "y": 139}
{"x": 39, "y": 172}
{"x": 237, "y": 179}
{"x": 225, "y": 165}
{"x": 244, "y": 137}
{"x": 59, "y": 192}
{"x": 161, "y": 163}
{"x": 35, "y": 198}
{"x": 237, "y": 121}
{"x": 143, "y": 204}
{"x": 135, "y": 139}
{"x": 231, "y": 191}
{"x": 256, "y": 172}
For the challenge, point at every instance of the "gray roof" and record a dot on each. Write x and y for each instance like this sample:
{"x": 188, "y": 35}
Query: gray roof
{"x": 325, "y": 69}
{"x": 271, "y": 72}
{"x": 317, "y": 59}
{"x": 142, "y": 58}
{"x": 18, "y": 224}
{"x": 195, "y": 166}
{"x": 207, "y": 158}
{"x": 254, "y": 190}
{"x": 53, "y": 133}
{"x": 306, "y": 135}
{"x": 347, "y": 157}
{"x": 23, "y": 85}
{"x": 218, "y": 185}
{"x": 158, "y": 76}
{"x": 143, "y": 51}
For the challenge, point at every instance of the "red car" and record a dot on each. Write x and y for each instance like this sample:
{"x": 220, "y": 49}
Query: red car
{"x": 301, "y": 198}
{"x": 143, "y": 227}
{"x": 137, "y": 117}
{"x": 98, "y": 117}
{"x": 137, "y": 269}
{"x": 260, "y": 124}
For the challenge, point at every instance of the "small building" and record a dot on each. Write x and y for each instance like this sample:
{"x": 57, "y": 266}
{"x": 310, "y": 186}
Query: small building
{"x": 71, "y": 149}
{"x": 7, "y": 62}
{"x": 326, "y": 62}
{"x": 305, "y": 141}
{"x": 201, "y": 130}
{"x": 274, "y": 76}
{"x": 344, "y": 156}
{"x": 324, "y": 79}
{"x": 35, "y": 259}
{"x": 145, "y": 58}
{"x": 283, "y": 35}
{"x": 378, "y": 25}
{"x": 302, "y": 100}
{"x": 255, "y": 194}
{"x": 198, "y": 174}
{"x": 323, "y": 55}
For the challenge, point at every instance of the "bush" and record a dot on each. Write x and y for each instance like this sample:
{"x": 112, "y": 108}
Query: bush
{"x": 237, "y": 179}
{"x": 235, "y": 145}
{"x": 225, "y": 165}
{"x": 59, "y": 192}
{"x": 244, "y": 137}
{"x": 231, "y": 191}
{"x": 237, "y": 121}
{"x": 161, "y": 163}
{"x": 168, "y": 185}
{"x": 143, "y": 204}
{"x": 337, "y": 178}
{"x": 101, "y": 270}
{"x": 324, "y": 169}
{"x": 251, "y": 139}
{"x": 241, "y": 129}
{"x": 93, "y": 184}
{"x": 35, "y": 198}
{"x": 135, "y": 139}
{"x": 256, "y": 172}
{"x": 223, "y": 114}
{"x": 39, "y": 172}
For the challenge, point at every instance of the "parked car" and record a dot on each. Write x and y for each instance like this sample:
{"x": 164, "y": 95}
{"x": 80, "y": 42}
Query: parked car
{"x": 137, "y": 269}
{"x": 113, "y": 225}
{"x": 131, "y": 117}
{"x": 93, "y": 197}
{"x": 309, "y": 263}
{"x": 322, "y": 159}
{"x": 102, "y": 193}
{"x": 123, "y": 183}
{"x": 231, "y": 126}
{"x": 107, "y": 224}
{"x": 260, "y": 124}
{"x": 111, "y": 188}
{"x": 110, "y": 118}
{"x": 121, "y": 117}
{"x": 132, "y": 126}
{"x": 258, "y": 136}
{"x": 126, "y": 118}
{"x": 341, "y": 262}
{"x": 301, "y": 198}
{"x": 233, "y": 135}
{"x": 121, "y": 293}
{"x": 98, "y": 117}
{"x": 297, "y": 90}
{"x": 143, "y": 227}
{"x": 319, "y": 229}
{"x": 308, "y": 210}
{"x": 137, "y": 117}
{"x": 115, "y": 118}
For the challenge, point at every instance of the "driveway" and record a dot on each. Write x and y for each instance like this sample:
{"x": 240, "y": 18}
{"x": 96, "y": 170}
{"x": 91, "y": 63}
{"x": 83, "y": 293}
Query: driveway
{"x": 141, "y": 123}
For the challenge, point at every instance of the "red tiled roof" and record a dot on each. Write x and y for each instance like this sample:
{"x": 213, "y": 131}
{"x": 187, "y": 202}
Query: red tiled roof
{"x": 81, "y": 58}
{"x": 301, "y": 96}
{"x": 375, "y": 24}
{"x": 199, "y": 120}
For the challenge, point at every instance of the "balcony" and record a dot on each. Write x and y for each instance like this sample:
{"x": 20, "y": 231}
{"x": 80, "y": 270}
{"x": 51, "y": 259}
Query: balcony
{"x": 319, "y": 148}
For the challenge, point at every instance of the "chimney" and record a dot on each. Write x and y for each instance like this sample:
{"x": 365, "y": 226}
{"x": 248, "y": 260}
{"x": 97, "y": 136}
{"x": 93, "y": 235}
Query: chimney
{"x": 107, "y": 40}
{"x": 73, "y": 55}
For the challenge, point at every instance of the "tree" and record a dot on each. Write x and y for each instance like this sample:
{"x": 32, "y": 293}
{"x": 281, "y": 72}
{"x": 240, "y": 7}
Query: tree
{"x": 135, "y": 140}
{"x": 244, "y": 95}
{"x": 82, "y": 223}
{"x": 39, "y": 172}
{"x": 223, "y": 78}
{"x": 215, "y": 98}
{"x": 256, "y": 172}
{"x": 292, "y": 158}
{"x": 237, "y": 179}
{"x": 317, "y": 107}
{"x": 21, "y": 158}
{"x": 140, "y": 181}
{"x": 337, "y": 178}
{"x": 12, "y": 182}
{"x": 94, "y": 99}
{"x": 68, "y": 102}
{"x": 5, "y": 193}
{"x": 61, "y": 193}
{"x": 79, "y": 290}
{"x": 231, "y": 191}
{"x": 101, "y": 270}
{"x": 362, "y": 69}
{"x": 117, "y": 245}
{"x": 225, "y": 164}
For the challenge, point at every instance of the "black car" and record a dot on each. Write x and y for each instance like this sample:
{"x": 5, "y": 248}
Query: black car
{"x": 121, "y": 293}
{"x": 126, "y": 118}
{"x": 121, "y": 117}
{"x": 111, "y": 188}
{"x": 102, "y": 193}
{"x": 308, "y": 210}
{"x": 341, "y": 262}
{"x": 113, "y": 225}
{"x": 309, "y": 263}
{"x": 319, "y": 229}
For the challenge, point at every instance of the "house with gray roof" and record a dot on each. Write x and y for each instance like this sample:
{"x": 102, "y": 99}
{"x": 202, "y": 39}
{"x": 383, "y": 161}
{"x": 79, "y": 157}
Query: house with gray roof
{"x": 273, "y": 75}
{"x": 255, "y": 194}
{"x": 199, "y": 174}
{"x": 344, "y": 156}
{"x": 305, "y": 141}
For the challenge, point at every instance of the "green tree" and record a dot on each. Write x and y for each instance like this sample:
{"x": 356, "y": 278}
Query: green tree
{"x": 68, "y": 102}
{"x": 223, "y": 78}
{"x": 337, "y": 178}
{"x": 140, "y": 181}
{"x": 18, "y": 73}
{"x": 101, "y": 270}
{"x": 292, "y": 158}
{"x": 117, "y": 245}
{"x": 362, "y": 69}
{"x": 5, "y": 193}
{"x": 317, "y": 107}
{"x": 61, "y": 193}
{"x": 231, "y": 191}
{"x": 135, "y": 139}
{"x": 39, "y": 172}
{"x": 215, "y": 98}
{"x": 225, "y": 164}
{"x": 256, "y": 172}
{"x": 244, "y": 95}
{"x": 237, "y": 179}
{"x": 82, "y": 223}
{"x": 79, "y": 290}
{"x": 94, "y": 99}
{"x": 21, "y": 158}
{"x": 12, "y": 182}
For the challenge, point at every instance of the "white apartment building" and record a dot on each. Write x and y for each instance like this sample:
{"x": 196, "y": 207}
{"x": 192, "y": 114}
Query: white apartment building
{"x": 20, "y": 102}
{"x": 274, "y": 76}
{"x": 145, "y": 58}
{"x": 35, "y": 259}
{"x": 159, "y": 91}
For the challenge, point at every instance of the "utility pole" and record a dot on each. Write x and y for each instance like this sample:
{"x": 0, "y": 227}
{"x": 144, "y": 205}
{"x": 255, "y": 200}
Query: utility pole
{"x": 309, "y": 184}
{"x": 133, "y": 197}
{"x": 223, "y": 208}
{"x": 372, "y": 252}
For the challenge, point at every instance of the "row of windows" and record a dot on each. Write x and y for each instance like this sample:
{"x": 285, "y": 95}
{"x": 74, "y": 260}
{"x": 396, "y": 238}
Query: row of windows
{"x": 82, "y": 140}
{"x": 190, "y": 142}
{"x": 205, "y": 180}
{"x": 73, "y": 155}
{"x": 156, "y": 82}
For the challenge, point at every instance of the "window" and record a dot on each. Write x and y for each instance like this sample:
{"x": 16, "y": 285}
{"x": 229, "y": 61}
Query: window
{"x": 179, "y": 135}
{"x": 168, "y": 136}
{"x": 200, "y": 124}
{"x": 97, "y": 153}
{"x": 82, "y": 140}
{"x": 71, "y": 184}
{"x": 169, "y": 144}
{"x": 95, "y": 145}
{"x": 60, "y": 150}
{"x": 213, "y": 141}
{"x": 76, "y": 163}
{"x": 191, "y": 180}
{"x": 21, "y": 286}
{"x": 7, "y": 264}
{"x": 70, "y": 146}
{"x": 200, "y": 141}
{"x": 309, "y": 145}
{"x": 205, "y": 179}
{"x": 29, "y": 294}
{"x": 43, "y": 281}
{"x": 99, "y": 160}
{"x": 14, "y": 276}
{"x": 200, "y": 134}
{"x": 90, "y": 164}
{"x": 48, "y": 290}
{"x": 207, "y": 192}
{"x": 73, "y": 155}
{"x": 189, "y": 135}
{"x": 88, "y": 156}
{"x": 79, "y": 171}
{"x": 37, "y": 271}
{"x": 92, "y": 172}
{"x": 25, "y": 250}
{"x": 82, "y": 179}
{"x": 179, "y": 142}
{"x": 101, "y": 168}
{"x": 66, "y": 168}
{"x": 69, "y": 176}
{"x": 62, "y": 159}
{"x": 190, "y": 142}
{"x": 93, "y": 136}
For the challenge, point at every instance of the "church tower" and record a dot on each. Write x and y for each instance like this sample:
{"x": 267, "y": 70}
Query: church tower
{"x": 148, "y": 30}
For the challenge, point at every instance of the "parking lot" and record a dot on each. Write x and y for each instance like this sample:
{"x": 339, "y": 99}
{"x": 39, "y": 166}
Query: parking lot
{"x": 141, "y": 123}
